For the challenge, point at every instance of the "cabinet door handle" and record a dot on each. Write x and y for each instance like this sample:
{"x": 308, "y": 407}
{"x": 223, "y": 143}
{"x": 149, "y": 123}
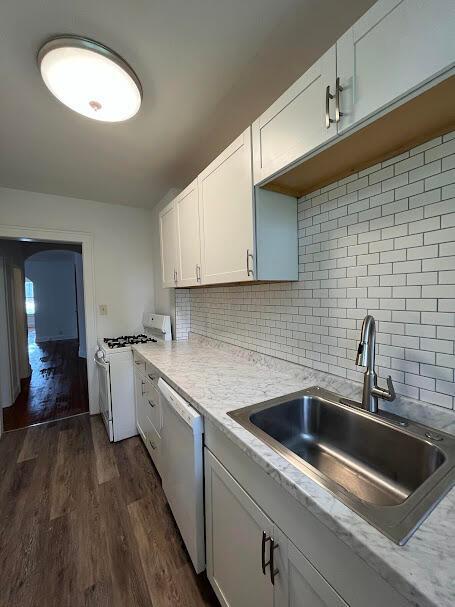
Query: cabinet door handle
{"x": 273, "y": 572}
{"x": 138, "y": 362}
{"x": 338, "y": 89}
{"x": 151, "y": 403}
{"x": 175, "y": 275}
{"x": 198, "y": 273}
{"x": 142, "y": 388}
{"x": 151, "y": 377}
{"x": 249, "y": 256}
{"x": 265, "y": 538}
{"x": 152, "y": 445}
{"x": 328, "y": 97}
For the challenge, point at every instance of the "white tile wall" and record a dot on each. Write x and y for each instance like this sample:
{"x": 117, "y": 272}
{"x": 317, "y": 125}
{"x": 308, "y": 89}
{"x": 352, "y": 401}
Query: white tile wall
{"x": 382, "y": 242}
{"x": 182, "y": 313}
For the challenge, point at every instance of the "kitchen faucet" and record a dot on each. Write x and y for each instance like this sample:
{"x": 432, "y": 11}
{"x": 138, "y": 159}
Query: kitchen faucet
{"x": 365, "y": 358}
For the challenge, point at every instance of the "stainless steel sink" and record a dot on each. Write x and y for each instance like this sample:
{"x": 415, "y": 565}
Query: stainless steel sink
{"x": 389, "y": 470}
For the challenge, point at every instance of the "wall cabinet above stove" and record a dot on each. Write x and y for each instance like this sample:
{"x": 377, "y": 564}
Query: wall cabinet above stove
{"x": 221, "y": 230}
{"x": 395, "y": 51}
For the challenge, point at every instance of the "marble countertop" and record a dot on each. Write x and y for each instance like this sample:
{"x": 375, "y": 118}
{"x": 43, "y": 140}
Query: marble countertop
{"x": 216, "y": 378}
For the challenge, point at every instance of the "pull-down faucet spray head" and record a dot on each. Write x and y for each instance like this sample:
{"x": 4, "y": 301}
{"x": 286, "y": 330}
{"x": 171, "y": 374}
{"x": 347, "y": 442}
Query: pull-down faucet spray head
{"x": 367, "y": 344}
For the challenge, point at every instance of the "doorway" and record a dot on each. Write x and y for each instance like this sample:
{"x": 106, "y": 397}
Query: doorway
{"x": 50, "y": 305}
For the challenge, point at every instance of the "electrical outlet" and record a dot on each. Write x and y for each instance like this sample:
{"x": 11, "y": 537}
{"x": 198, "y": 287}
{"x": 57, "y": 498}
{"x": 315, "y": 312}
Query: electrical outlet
{"x": 103, "y": 309}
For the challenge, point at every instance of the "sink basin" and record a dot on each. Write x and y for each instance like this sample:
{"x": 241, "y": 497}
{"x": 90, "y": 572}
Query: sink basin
{"x": 389, "y": 470}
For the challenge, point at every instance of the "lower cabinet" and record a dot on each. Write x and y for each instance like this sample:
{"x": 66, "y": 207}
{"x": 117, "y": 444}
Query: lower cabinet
{"x": 148, "y": 415}
{"x": 250, "y": 561}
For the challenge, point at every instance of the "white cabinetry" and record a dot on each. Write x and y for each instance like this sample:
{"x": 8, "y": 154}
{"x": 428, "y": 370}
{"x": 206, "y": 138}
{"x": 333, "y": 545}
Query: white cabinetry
{"x": 394, "y": 48}
{"x": 240, "y": 543}
{"x": 221, "y": 230}
{"x": 234, "y": 527}
{"x": 169, "y": 244}
{"x": 148, "y": 409}
{"x": 188, "y": 234}
{"x": 226, "y": 203}
{"x": 296, "y": 123}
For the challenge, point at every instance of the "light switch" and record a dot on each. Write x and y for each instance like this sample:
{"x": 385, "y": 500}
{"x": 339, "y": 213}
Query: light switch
{"x": 103, "y": 309}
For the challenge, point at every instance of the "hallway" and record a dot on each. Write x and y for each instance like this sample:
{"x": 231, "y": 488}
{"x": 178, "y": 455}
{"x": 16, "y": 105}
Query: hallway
{"x": 85, "y": 523}
{"x": 57, "y": 387}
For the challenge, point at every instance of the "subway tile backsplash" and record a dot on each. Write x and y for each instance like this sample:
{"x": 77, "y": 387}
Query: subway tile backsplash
{"x": 381, "y": 242}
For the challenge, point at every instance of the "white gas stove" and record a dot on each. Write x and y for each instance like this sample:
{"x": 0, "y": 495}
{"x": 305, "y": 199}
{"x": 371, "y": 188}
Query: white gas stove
{"x": 115, "y": 374}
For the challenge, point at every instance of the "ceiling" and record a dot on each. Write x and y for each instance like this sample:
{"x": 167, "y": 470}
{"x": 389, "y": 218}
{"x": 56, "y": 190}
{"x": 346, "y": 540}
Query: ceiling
{"x": 208, "y": 69}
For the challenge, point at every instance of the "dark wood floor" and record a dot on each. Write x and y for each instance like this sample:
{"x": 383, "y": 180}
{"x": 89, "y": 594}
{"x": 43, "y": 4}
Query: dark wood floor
{"x": 57, "y": 387}
{"x": 85, "y": 523}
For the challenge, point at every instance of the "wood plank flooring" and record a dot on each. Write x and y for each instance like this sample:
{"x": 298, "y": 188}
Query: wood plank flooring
{"x": 57, "y": 387}
{"x": 85, "y": 523}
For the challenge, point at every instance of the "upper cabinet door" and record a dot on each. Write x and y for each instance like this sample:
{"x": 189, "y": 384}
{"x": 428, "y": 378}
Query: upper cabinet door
{"x": 226, "y": 205}
{"x": 394, "y": 48}
{"x": 189, "y": 242}
{"x": 296, "y": 123}
{"x": 169, "y": 245}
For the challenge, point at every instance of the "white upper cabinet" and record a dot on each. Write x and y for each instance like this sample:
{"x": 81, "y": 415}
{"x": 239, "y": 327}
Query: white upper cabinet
{"x": 189, "y": 242}
{"x": 298, "y": 121}
{"x": 221, "y": 229}
{"x": 394, "y": 48}
{"x": 169, "y": 245}
{"x": 226, "y": 207}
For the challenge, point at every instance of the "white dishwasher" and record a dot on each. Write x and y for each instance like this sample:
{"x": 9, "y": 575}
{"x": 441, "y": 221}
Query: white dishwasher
{"x": 182, "y": 470}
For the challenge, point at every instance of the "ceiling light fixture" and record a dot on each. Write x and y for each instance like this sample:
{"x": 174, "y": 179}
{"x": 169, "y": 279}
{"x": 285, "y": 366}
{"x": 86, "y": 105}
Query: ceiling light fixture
{"x": 90, "y": 78}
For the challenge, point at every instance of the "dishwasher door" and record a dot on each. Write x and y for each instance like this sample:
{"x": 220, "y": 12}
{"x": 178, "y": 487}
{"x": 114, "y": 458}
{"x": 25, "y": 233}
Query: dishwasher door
{"x": 182, "y": 469}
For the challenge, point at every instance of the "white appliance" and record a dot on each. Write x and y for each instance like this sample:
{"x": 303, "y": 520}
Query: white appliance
{"x": 114, "y": 362}
{"x": 182, "y": 471}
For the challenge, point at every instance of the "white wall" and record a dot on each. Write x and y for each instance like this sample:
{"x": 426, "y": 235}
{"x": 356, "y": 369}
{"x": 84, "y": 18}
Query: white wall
{"x": 123, "y": 248}
{"x": 54, "y": 290}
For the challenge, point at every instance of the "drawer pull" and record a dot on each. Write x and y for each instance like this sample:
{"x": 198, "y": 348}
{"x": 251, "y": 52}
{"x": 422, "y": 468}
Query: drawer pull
{"x": 151, "y": 403}
{"x": 265, "y": 538}
{"x": 273, "y": 572}
{"x": 328, "y": 96}
{"x": 138, "y": 362}
{"x": 338, "y": 89}
{"x": 151, "y": 377}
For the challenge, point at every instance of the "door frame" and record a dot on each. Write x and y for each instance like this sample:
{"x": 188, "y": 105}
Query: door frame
{"x": 85, "y": 239}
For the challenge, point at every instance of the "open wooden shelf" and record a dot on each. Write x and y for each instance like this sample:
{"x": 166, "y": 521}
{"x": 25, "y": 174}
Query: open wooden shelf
{"x": 428, "y": 115}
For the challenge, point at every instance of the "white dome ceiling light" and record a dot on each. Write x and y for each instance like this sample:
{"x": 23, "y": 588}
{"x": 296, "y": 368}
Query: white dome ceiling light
{"x": 90, "y": 78}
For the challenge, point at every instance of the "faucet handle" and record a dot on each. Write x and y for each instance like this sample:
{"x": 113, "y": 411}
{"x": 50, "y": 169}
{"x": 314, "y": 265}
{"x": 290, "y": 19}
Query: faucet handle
{"x": 392, "y": 394}
{"x": 388, "y": 394}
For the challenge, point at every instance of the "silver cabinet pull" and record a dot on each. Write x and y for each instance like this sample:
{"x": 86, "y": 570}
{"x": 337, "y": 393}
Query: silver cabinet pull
{"x": 142, "y": 387}
{"x": 273, "y": 572}
{"x": 151, "y": 403}
{"x": 138, "y": 362}
{"x": 198, "y": 273}
{"x": 249, "y": 256}
{"x": 152, "y": 445}
{"x": 338, "y": 89}
{"x": 265, "y": 538}
{"x": 175, "y": 275}
{"x": 328, "y": 97}
{"x": 151, "y": 377}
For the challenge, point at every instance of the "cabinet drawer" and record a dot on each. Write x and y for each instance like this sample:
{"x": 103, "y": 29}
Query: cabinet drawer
{"x": 139, "y": 362}
{"x": 152, "y": 441}
{"x": 152, "y": 373}
{"x": 153, "y": 407}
